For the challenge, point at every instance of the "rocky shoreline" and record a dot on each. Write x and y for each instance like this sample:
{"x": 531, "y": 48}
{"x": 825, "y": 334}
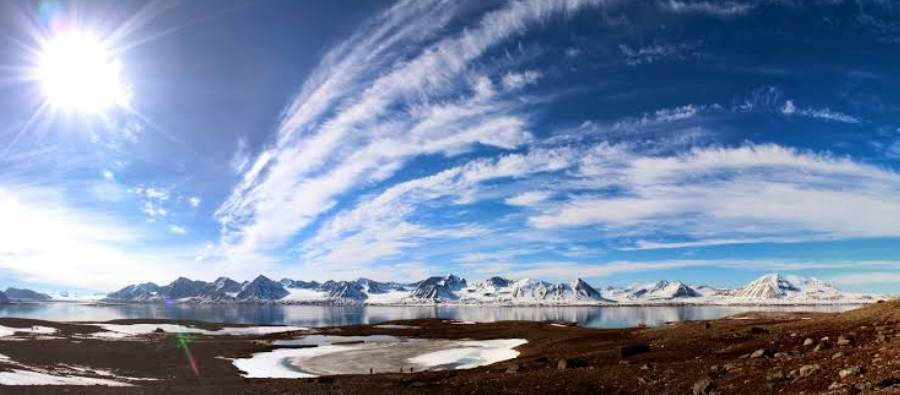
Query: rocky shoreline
{"x": 853, "y": 352}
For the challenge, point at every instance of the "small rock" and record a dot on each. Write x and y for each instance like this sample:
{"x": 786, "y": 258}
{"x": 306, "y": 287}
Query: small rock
{"x": 775, "y": 375}
{"x": 645, "y": 367}
{"x": 515, "y": 368}
{"x": 807, "y": 370}
{"x": 808, "y": 342}
{"x": 824, "y": 339}
{"x": 837, "y": 355}
{"x": 781, "y": 355}
{"x": 836, "y": 386}
{"x": 702, "y": 387}
{"x": 821, "y": 347}
{"x": 762, "y": 352}
{"x": 562, "y": 364}
{"x": 851, "y": 371}
{"x": 731, "y": 367}
{"x": 843, "y": 341}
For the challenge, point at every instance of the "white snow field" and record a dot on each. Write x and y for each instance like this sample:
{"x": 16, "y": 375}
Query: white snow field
{"x": 334, "y": 355}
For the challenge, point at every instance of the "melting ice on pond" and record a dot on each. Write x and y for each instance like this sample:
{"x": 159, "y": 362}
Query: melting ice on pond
{"x": 333, "y": 355}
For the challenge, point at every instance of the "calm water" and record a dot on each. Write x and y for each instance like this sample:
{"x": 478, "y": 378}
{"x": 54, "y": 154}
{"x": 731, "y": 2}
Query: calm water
{"x": 317, "y": 316}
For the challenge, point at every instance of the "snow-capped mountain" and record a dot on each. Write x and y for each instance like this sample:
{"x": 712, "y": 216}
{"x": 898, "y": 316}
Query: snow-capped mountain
{"x": 451, "y": 289}
{"x": 776, "y": 286}
{"x": 660, "y": 290}
{"x": 25, "y": 295}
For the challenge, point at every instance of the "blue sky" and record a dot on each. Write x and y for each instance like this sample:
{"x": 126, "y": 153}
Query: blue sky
{"x": 704, "y": 141}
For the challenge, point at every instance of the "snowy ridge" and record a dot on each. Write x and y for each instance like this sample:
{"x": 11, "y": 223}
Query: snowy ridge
{"x": 769, "y": 289}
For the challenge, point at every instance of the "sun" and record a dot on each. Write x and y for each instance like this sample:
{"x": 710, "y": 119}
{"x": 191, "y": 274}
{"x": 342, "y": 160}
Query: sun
{"x": 79, "y": 73}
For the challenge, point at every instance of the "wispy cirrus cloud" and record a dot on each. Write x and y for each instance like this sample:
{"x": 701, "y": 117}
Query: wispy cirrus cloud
{"x": 722, "y": 9}
{"x": 391, "y": 85}
{"x": 827, "y": 114}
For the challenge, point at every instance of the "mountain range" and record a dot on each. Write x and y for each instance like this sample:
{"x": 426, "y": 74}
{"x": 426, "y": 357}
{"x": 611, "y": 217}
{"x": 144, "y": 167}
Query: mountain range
{"x": 769, "y": 289}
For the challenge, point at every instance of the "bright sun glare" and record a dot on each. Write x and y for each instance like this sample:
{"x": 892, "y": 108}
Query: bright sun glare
{"x": 79, "y": 73}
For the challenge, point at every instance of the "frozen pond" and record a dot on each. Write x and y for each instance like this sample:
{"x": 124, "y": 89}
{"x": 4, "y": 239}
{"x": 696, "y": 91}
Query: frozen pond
{"x": 319, "y": 316}
{"x": 333, "y": 355}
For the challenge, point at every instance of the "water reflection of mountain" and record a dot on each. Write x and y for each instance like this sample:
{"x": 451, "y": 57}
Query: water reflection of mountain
{"x": 317, "y": 316}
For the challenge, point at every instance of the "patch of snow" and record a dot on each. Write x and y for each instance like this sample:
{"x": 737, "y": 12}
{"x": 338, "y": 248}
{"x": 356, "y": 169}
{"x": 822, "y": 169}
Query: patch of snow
{"x": 27, "y": 377}
{"x": 37, "y": 329}
{"x": 304, "y": 295}
{"x": 271, "y": 364}
{"x": 471, "y": 354}
{"x": 390, "y": 297}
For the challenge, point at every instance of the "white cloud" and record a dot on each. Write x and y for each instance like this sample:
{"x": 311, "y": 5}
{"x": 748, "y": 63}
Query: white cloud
{"x": 867, "y": 278}
{"x": 529, "y": 198}
{"x": 657, "y": 52}
{"x": 320, "y": 156}
{"x": 826, "y": 114}
{"x": 44, "y": 240}
{"x": 108, "y": 175}
{"x": 723, "y": 8}
{"x": 751, "y": 191}
{"x": 513, "y": 81}
{"x": 194, "y": 201}
{"x": 177, "y": 230}
{"x": 378, "y": 226}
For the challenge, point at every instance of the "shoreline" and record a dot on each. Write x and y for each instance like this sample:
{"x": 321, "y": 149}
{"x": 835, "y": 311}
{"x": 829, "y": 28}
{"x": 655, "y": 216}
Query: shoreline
{"x": 504, "y": 305}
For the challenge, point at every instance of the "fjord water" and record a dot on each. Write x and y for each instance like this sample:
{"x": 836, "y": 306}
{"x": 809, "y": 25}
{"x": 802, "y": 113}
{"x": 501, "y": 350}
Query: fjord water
{"x": 319, "y": 316}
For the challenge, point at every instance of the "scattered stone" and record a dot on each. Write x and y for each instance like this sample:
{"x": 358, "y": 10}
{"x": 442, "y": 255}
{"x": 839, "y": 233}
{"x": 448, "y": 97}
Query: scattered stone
{"x": 851, "y": 371}
{"x": 808, "y": 342}
{"x": 702, "y": 387}
{"x": 781, "y": 355}
{"x": 807, "y": 370}
{"x": 762, "y": 352}
{"x": 563, "y": 364}
{"x": 836, "y": 386}
{"x": 824, "y": 339}
{"x": 775, "y": 375}
{"x": 645, "y": 367}
{"x": 837, "y": 355}
{"x": 732, "y": 367}
{"x": 843, "y": 341}
{"x": 821, "y": 347}
{"x": 515, "y": 368}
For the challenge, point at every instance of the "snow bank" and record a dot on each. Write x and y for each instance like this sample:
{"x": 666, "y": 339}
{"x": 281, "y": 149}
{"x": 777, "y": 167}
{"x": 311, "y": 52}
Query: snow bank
{"x": 385, "y": 355}
{"x": 39, "y": 330}
{"x": 27, "y": 377}
{"x": 272, "y": 364}
{"x": 471, "y": 354}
